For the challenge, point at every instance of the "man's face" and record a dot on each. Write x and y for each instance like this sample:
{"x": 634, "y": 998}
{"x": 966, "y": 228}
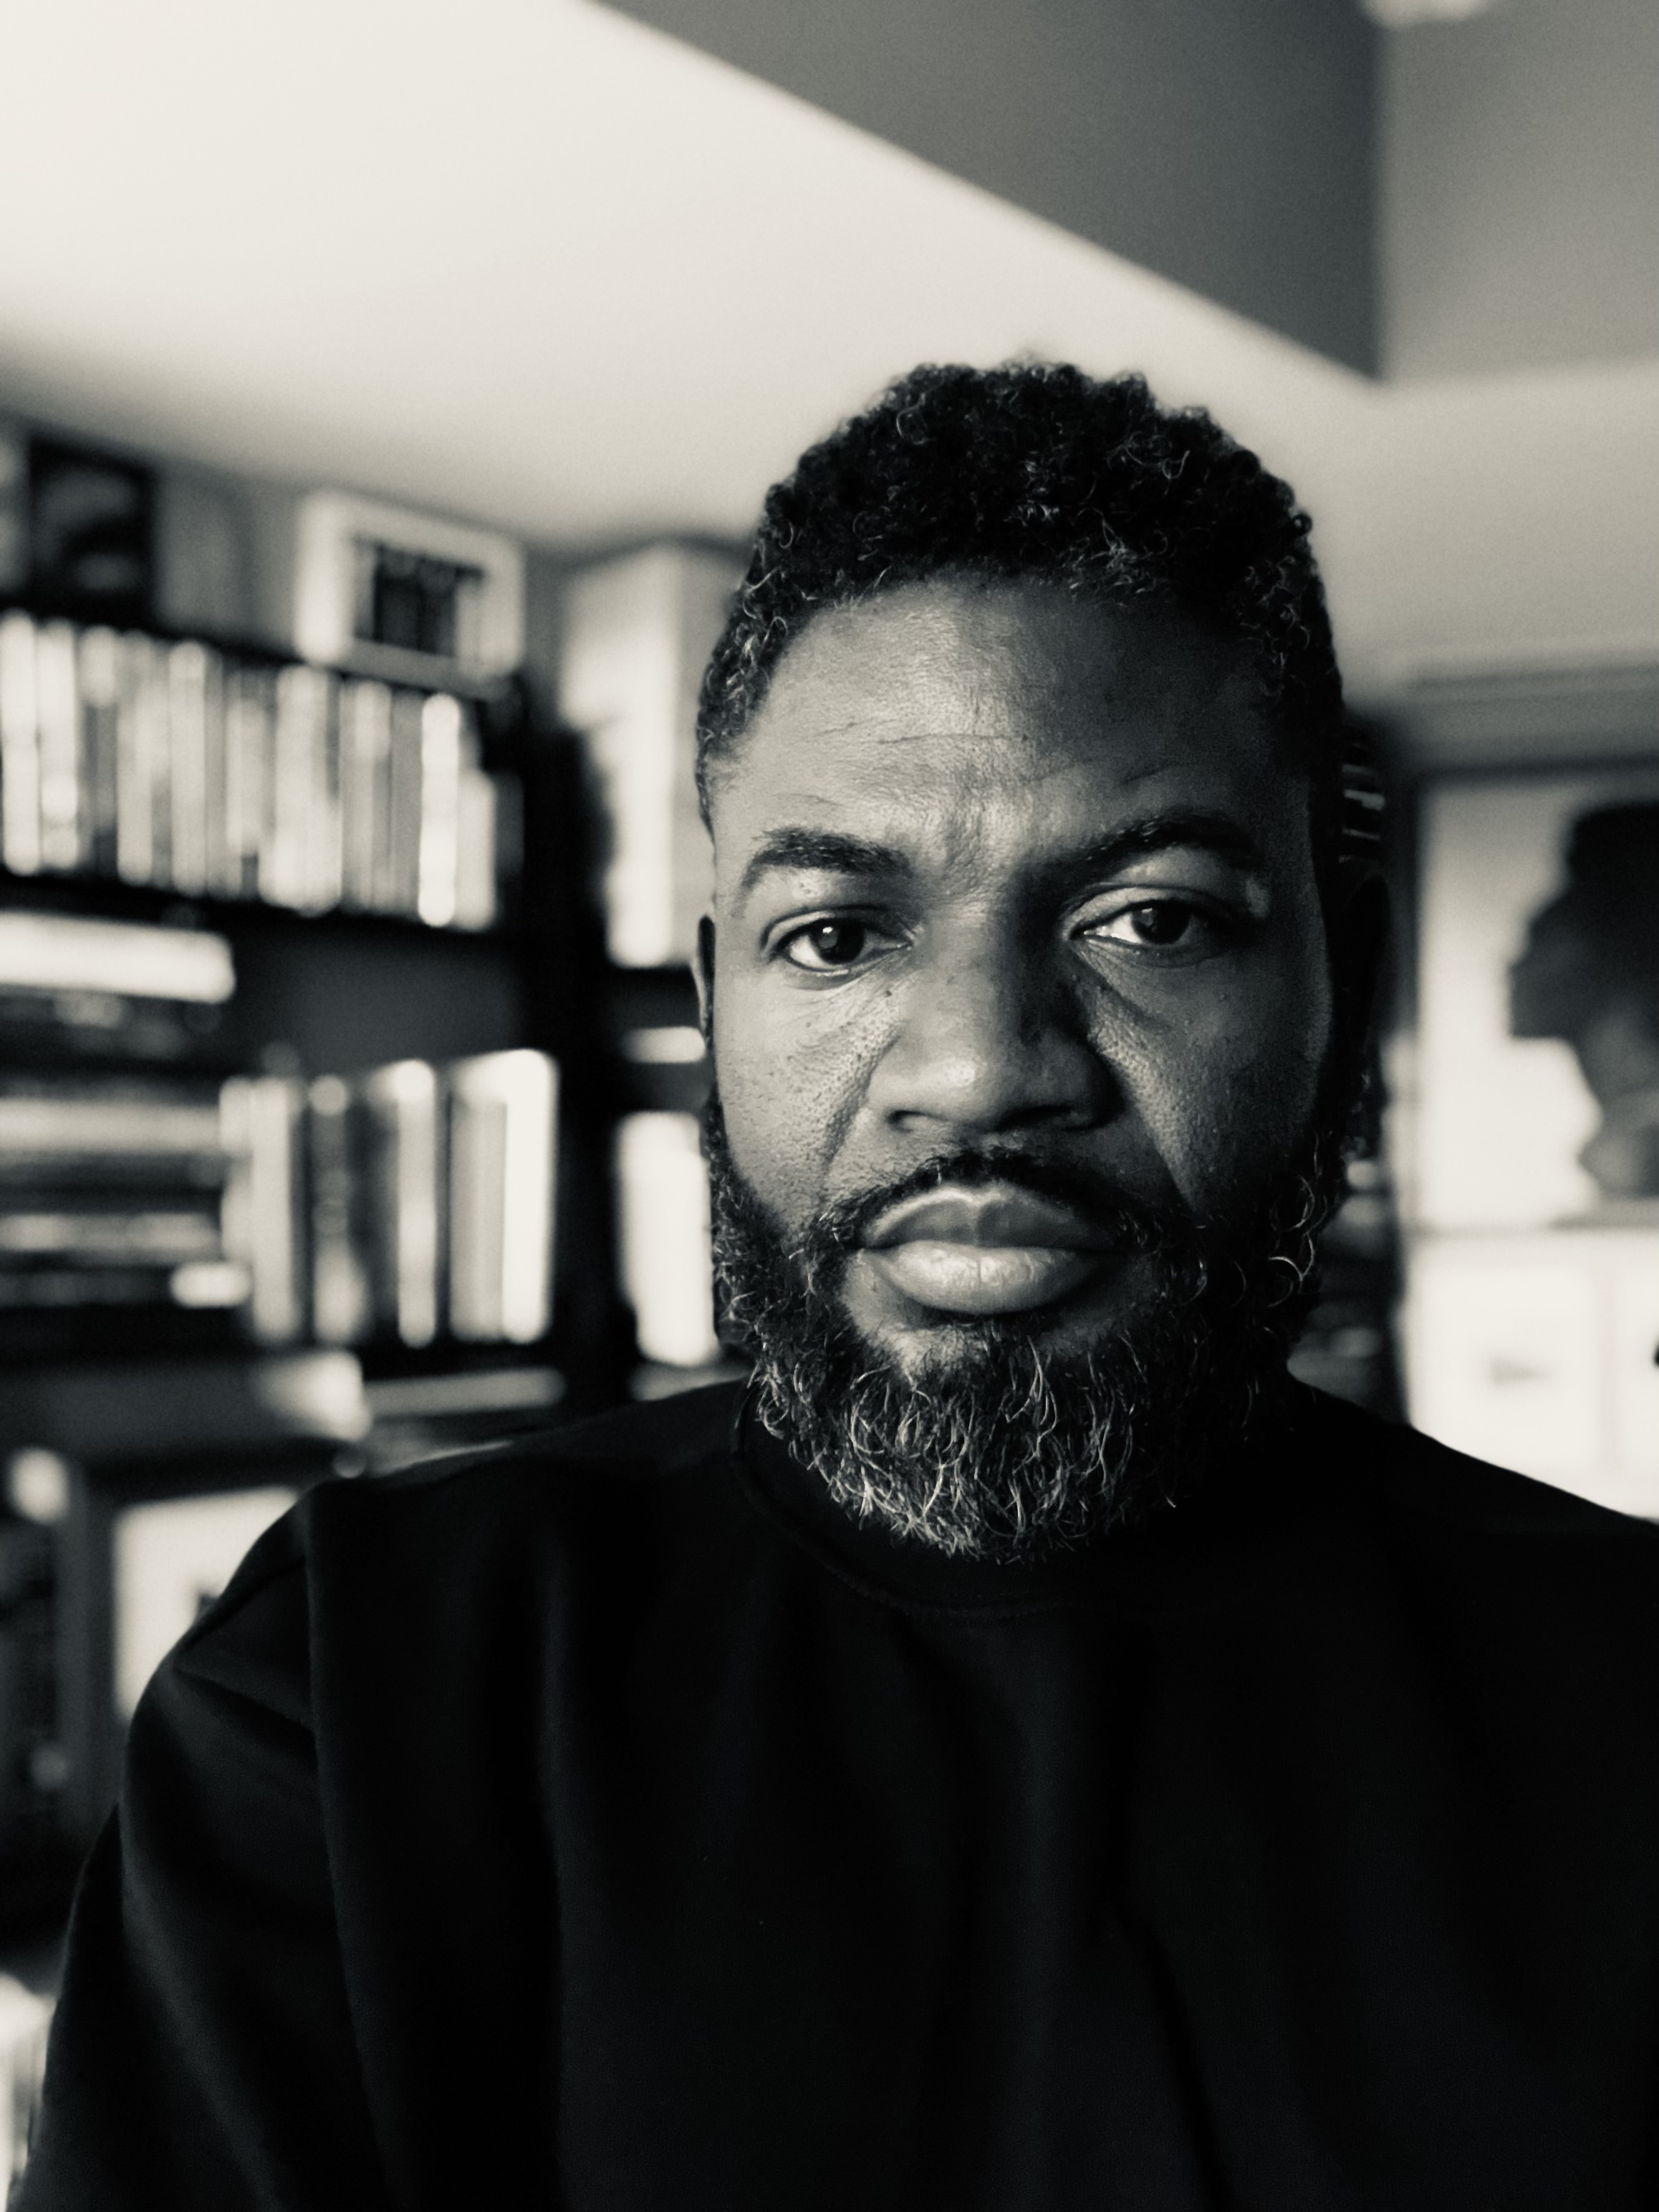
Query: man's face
{"x": 1007, "y": 876}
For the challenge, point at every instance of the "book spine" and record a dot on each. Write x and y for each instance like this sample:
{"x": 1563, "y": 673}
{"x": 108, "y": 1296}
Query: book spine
{"x": 476, "y": 863}
{"x": 58, "y": 709}
{"x": 407, "y": 1182}
{"x": 100, "y": 691}
{"x": 443, "y": 749}
{"x": 50, "y": 1123}
{"x": 284, "y": 877}
{"x": 20, "y": 747}
{"x": 141, "y": 761}
{"x": 503, "y": 1146}
{"x": 99, "y": 1236}
{"x": 341, "y": 1305}
{"x": 323, "y": 851}
{"x": 250, "y": 746}
{"x": 222, "y": 859}
{"x": 187, "y": 761}
{"x": 260, "y": 1120}
{"x": 401, "y": 892}
{"x": 365, "y": 793}
{"x": 237, "y": 808}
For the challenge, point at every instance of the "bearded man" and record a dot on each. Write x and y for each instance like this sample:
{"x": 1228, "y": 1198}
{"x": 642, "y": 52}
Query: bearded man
{"x": 1021, "y": 1751}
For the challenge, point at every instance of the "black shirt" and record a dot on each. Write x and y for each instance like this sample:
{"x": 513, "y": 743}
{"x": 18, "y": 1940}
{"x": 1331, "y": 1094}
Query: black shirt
{"x": 609, "y": 1822}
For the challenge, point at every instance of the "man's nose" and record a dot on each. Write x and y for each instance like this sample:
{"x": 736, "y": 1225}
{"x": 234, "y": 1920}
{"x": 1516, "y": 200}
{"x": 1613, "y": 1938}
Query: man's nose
{"x": 989, "y": 1037}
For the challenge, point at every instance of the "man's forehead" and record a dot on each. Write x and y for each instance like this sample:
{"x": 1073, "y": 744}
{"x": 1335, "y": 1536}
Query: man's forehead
{"x": 998, "y": 658}
{"x": 925, "y": 698}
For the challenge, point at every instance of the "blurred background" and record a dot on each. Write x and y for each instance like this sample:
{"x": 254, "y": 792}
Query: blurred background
{"x": 386, "y": 389}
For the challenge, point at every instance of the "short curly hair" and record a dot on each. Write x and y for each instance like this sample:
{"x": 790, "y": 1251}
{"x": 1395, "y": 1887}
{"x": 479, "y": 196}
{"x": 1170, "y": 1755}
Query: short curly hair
{"x": 1035, "y": 470}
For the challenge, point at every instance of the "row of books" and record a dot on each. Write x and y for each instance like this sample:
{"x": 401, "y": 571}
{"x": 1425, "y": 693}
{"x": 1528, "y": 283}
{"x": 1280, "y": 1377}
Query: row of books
{"x": 412, "y": 1203}
{"x": 184, "y": 768}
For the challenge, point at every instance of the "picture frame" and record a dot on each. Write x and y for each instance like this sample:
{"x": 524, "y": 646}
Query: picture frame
{"x": 1525, "y": 1129}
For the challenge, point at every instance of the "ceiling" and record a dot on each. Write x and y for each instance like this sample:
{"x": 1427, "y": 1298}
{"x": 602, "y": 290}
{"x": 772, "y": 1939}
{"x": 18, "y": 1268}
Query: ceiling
{"x": 532, "y": 262}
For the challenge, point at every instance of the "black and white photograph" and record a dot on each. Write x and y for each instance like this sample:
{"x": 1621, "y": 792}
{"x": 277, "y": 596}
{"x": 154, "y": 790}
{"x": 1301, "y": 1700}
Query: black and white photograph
{"x": 829, "y": 1105}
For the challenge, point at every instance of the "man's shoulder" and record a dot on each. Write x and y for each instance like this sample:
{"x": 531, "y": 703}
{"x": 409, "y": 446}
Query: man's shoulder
{"x": 618, "y": 1486}
{"x": 680, "y": 1435}
{"x": 1388, "y": 1470}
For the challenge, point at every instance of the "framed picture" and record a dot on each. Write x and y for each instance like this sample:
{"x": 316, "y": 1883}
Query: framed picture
{"x": 1531, "y": 1130}
{"x": 411, "y": 598}
{"x": 1537, "y": 1077}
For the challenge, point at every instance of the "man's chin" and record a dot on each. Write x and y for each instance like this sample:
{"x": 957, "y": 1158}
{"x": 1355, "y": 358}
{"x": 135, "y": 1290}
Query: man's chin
{"x": 999, "y": 1434}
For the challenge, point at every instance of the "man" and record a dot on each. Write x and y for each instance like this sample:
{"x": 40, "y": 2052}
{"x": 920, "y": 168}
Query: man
{"x": 1022, "y": 1751}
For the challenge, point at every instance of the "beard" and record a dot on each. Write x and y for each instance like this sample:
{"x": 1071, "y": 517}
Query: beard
{"x": 993, "y": 1445}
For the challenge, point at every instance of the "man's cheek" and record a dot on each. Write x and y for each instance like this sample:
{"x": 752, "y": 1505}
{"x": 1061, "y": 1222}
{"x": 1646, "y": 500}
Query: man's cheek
{"x": 775, "y": 1143}
{"x": 1223, "y": 1123}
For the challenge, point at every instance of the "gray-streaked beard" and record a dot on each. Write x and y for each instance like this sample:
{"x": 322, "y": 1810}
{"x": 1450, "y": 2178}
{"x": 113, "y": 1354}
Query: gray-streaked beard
{"x": 994, "y": 1447}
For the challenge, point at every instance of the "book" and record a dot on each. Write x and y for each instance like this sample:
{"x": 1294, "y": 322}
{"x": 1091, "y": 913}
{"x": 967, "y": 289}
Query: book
{"x": 92, "y": 1235}
{"x": 57, "y": 721}
{"x": 342, "y": 1304}
{"x": 259, "y": 1129}
{"x": 142, "y": 828}
{"x": 250, "y": 777}
{"x": 502, "y": 1143}
{"x": 20, "y": 747}
{"x": 49, "y": 1123}
{"x": 663, "y": 1217}
{"x": 365, "y": 793}
{"x": 97, "y": 676}
{"x": 61, "y": 953}
{"x": 443, "y": 763}
{"x": 285, "y": 871}
{"x": 406, "y": 1170}
{"x": 186, "y": 722}
{"x": 400, "y": 889}
{"x": 478, "y": 866}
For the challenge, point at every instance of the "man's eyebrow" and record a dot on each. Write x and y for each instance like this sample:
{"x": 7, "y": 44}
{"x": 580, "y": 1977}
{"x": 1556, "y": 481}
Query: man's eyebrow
{"x": 834, "y": 852}
{"x": 830, "y": 852}
{"x": 1221, "y": 833}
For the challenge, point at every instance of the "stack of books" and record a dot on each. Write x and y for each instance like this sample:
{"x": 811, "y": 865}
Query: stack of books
{"x": 149, "y": 1205}
{"x": 110, "y": 1195}
{"x": 186, "y": 768}
{"x": 111, "y": 1153}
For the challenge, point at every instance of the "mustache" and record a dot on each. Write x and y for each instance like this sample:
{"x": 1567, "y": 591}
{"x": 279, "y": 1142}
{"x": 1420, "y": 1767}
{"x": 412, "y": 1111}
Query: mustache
{"x": 1125, "y": 1221}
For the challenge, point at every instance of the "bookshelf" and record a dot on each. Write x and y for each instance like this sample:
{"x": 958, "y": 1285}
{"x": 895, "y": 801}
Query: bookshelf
{"x": 307, "y": 1082}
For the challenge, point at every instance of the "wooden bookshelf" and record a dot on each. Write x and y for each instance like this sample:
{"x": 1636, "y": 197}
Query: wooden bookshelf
{"x": 163, "y": 1430}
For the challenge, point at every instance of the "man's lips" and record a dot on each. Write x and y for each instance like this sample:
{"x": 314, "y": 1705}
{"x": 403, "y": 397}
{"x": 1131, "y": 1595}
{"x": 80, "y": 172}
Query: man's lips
{"x": 987, "y": 1249}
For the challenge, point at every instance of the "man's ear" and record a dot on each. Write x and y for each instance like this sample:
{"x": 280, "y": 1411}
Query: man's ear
{"x": 702, "y": 974}
{"x": 1359, "y": 939}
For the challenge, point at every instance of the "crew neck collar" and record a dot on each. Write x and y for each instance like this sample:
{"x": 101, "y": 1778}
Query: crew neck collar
{"x": 1240, "y": 1500}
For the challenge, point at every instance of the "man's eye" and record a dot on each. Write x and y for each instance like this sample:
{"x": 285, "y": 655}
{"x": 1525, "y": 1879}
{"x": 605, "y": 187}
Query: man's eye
{"x": 1158, "y": 925}
{"x": 824, "y": 946}
{"x": 1157, "y": 921}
